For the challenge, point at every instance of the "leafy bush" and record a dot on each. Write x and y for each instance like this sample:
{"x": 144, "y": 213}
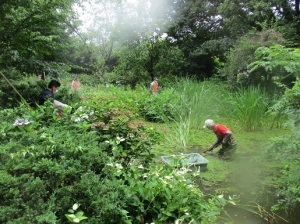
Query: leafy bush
{"x": 162, "y": 194}
{"x": 286, "y": 150}
{"x": 52, "y": 163}
{"x": 29, "y": 90}
{"x": 159, "y": 107}
{"x": 236, "y": 68}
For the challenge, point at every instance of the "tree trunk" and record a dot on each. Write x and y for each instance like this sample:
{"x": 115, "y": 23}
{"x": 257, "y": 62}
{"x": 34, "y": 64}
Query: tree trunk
{"x": 297, "y": 7}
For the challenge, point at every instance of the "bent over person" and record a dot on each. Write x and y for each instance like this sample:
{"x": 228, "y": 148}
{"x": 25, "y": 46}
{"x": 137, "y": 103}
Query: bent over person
{"x": 224, "y": 138}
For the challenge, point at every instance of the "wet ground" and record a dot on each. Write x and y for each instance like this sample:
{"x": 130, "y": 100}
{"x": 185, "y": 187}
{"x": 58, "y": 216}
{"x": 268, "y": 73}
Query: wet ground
{"x": 245, "y": 178}
{"x": 248, "y": 177}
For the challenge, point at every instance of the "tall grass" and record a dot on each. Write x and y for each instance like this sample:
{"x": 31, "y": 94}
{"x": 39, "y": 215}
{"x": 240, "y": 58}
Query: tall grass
{"x": 195, "y": 102}
{"x": 201, "y": 100}
{"x": 179, "y": 132}
{"x": 198, "y": 101}
{"x": 249, "y": 106}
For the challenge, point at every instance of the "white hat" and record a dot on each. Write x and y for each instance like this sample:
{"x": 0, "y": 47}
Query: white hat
{"x": 208, "y": 123}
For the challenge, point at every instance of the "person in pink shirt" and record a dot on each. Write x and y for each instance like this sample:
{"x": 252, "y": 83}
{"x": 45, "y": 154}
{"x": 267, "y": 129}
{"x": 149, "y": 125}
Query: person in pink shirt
{"x": 75, "y": 85}
{"x": 224, "y": 138}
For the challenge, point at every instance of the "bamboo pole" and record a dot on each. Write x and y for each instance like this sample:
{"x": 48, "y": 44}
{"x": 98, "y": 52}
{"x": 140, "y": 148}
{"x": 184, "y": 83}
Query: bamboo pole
{"x": 15, "y": 90}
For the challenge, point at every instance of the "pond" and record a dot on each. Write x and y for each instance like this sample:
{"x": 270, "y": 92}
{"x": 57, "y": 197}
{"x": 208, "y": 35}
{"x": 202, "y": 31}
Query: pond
{"x": 248, "y": 178}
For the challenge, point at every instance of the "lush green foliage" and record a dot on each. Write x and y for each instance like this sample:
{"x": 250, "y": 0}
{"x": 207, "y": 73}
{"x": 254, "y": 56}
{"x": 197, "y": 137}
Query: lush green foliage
{"x": 75, "y": 217}
{"x": 97, "y": 157}
{"x": 30, "y": 88}
{"x": 159, "y": 107}
{"x": 286, "y": 148}
{"x": 149, "y": 58}
{"x": 154, "y": 190}
{"x": 275, "y": 59}
{"x": 236, "y": 68}
{"x": 34, "y": 32}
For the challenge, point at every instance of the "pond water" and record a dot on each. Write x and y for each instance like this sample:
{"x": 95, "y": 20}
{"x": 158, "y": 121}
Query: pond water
{"x": 246, "y": 178}
{"x": 238, "y": 215}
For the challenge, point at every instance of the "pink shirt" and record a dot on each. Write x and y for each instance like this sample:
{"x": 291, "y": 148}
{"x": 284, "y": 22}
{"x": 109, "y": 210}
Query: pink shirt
{"x": 75, "y": 85}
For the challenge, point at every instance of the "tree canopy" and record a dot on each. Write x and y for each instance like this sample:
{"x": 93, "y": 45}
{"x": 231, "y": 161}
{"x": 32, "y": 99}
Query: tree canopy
{"x": 44, "y": 35}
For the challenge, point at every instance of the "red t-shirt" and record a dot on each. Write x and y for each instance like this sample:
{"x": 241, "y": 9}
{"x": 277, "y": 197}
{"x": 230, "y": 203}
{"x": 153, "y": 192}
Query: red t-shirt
{"x": 154, "y": 86}
{"x": 220, "y": 130}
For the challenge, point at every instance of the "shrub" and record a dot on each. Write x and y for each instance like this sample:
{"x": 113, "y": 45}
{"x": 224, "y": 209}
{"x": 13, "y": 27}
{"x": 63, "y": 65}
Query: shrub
{"x": 236, "y": 68}
{"x": 52, "y": 163}
{"x": 159, "y": 107}
{"x": 286, "y": 151}
{"x": 163, "y": 195}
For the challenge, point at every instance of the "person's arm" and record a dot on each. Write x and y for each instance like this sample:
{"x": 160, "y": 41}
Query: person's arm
{"x": 59, "y": 105}
{"x": 227, "y": 137}
{"x": 214, "y": 145}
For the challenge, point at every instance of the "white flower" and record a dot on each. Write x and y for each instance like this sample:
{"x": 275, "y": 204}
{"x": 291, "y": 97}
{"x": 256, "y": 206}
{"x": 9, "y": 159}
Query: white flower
{"x": 84, "y": 116}
{"x": 141, "y": 166}
{"x": 107, "y": 141}
{"x": 80, "y": 108}
{"x": 119, "y": 166}
{"x": 121, "y": 139}
{"x": 77, "y": 119}
{"x": 75, "y": 206}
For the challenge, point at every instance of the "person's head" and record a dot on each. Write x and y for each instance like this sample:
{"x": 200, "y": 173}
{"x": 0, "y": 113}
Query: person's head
{"x": 155, "y": 79}
{"x": 53, "y": 86}
{"x": 209, "y": 124}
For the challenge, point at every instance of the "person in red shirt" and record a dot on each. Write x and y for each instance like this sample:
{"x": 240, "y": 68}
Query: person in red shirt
{"x": 154, "y": 86}
{"x": 224, "y": 138}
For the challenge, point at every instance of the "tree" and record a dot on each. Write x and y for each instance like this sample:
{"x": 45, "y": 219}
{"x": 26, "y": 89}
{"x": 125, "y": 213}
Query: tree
{"x": 148, "y": 58}
{"x": 284, "y": 150}
{"x": 236, "y": 68}
{"x": 33, "y": 33}
{"x": 275, "y": 59}
{"x": 122, "y": 24}
{"x": 207, "y": 29}
{"x": 196, "y": 32}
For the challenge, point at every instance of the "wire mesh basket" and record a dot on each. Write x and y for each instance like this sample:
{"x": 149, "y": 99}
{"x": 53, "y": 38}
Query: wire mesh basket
{"x": 191, "y": 159}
